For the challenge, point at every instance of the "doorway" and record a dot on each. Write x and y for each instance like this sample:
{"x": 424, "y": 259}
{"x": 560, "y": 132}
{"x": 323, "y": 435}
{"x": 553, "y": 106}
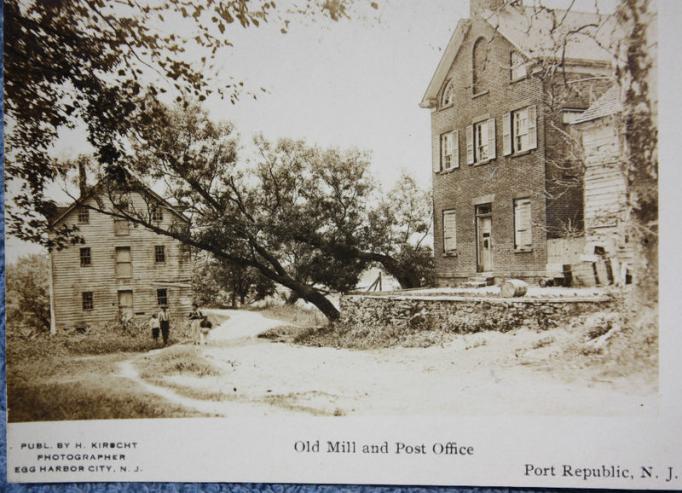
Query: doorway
{"x": 484, "y": 239}
{"x": 125, "y": 305}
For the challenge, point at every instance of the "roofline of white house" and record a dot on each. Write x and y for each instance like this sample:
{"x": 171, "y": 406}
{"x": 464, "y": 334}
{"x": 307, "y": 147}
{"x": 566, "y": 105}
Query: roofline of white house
{"x": 80, "y": 200}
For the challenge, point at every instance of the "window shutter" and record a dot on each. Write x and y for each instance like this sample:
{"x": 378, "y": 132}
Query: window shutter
{"x": 455, "y": 148}
{"x": 437, "y": 155}
{"x": 491, "y": 139}
{"x": 470, "y": 144}
{"x": 532, "y": 128}
{"x": 506, "y": 134}
{"x": 522, "y": 221}
{"x": 449, "y": 231}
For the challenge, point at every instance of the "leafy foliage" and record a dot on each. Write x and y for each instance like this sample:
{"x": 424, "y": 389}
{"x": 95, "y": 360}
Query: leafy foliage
{"x": 219, "y": 283}
{"x": 27, "y": 294}
{"x": 99, "y": 63}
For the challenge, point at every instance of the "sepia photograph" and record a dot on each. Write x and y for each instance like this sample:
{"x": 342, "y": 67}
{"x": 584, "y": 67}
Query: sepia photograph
{"x": 331, "y": 208}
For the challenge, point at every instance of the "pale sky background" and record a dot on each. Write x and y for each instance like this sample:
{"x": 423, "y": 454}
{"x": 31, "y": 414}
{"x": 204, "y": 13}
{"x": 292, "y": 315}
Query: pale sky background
{"x": 352, "y": 83}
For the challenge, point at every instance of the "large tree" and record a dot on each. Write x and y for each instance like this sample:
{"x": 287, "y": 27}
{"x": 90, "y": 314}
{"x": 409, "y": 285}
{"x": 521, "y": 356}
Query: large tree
{"x": 98, "y": 63}
{"x": 306, "y": 218}
{"x": 27, "y": 294}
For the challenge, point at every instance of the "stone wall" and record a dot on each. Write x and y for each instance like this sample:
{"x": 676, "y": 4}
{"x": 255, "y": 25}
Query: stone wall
{"x": 463, "y": 314}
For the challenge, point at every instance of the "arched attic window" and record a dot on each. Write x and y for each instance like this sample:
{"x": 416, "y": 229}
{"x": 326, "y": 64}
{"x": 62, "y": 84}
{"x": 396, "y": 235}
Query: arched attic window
{"x": 448, "y": 96}
{"x": 479, "y": 63}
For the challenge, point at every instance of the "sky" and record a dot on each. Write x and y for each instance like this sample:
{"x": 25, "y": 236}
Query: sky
{"x": 352, "y": 83}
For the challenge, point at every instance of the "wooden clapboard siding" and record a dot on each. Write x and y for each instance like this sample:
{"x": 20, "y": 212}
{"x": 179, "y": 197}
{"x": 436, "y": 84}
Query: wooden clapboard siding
{"x": 605, "y": 193}
{"x": 70, "y": 280}
{"x": 605, "y": 187}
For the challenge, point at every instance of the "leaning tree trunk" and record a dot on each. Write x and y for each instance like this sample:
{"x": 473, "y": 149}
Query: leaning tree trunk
{"x": 322, "y": 304}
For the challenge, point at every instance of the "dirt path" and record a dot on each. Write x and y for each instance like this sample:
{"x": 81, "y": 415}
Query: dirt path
{"x": 480, "y": 374}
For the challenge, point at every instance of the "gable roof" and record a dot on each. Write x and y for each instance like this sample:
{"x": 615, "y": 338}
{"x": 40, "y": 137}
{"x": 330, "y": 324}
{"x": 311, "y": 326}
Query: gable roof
{"x": 63, "y": 211}
{"x": 537, "y": 32}
{"x": 449, "y": 55}
{"x": 607, "y": 104}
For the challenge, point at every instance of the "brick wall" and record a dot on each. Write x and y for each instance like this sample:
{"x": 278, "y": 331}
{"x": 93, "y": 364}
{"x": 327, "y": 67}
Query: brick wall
{"x": 505, "y": 178}
{"x": 555, "y": 193}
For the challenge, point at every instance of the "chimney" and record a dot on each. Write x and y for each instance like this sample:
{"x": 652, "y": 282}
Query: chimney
{"x": 477, "y": 6}
{"x": 82, "y": 178}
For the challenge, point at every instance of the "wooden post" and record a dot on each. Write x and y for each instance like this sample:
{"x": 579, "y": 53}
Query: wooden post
{"x": 53, "y": 317}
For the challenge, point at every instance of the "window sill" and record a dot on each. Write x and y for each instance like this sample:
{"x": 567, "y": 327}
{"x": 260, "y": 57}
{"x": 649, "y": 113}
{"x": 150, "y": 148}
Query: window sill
{"x": 447, "y": 171}
{"x": 523, "y": 250}
{"x": 452, "y": 253}
{"x": 521, "y": 153}
{"x": 480, "y": 163}
{"x": 446, "y": 107}
{"x": 479, "y": 94}
{"x": 512, "y": 81}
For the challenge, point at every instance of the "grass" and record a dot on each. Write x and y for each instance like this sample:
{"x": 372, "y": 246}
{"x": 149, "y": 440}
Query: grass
{"x": 304, "y": 317}
{"x": 73, "y": 376}
{"x": 338, "y": 335}
{"x": 89, "y": 398}
{"x": 179, "y": 360}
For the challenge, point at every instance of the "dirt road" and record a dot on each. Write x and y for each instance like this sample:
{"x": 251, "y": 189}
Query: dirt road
{"x": 480, "y": 374}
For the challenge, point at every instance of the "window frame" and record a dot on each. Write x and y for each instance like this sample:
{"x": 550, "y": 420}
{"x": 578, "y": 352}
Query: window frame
{"x": 478, "y": 73}
{"x": 159, "y": 259}
{"x": 514, "y": 65}
{"x": 162, "y": 296}
{"x": 449, "y": 249}
{"x": 451, "y": 141}
{"x": 448, "y": 97}
{"x": 157, "y": 214}
{"x": 480, "y": 144}
{"x": 117, "y": 231}
{"x": 117, "y": 273}
{"x": 87, "y": 301}
{"x": 85, "y": 255}
{"x": 517, "y": 135}
{"x": 83, "y": 215}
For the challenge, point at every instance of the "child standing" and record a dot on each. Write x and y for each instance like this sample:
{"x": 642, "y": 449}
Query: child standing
{"x": 195, "y": 317}
{"x": 155, "y": 325}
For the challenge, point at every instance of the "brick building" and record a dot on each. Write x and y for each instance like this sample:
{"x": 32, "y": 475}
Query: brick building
{"x": 507, "y": 192}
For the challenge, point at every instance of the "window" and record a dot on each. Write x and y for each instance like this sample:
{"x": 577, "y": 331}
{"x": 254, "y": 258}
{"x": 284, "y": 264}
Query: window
{"x": 523, "y": 238}
{"x": 87, "y": 301}
{"x": 449, "y": 151}
{"x": 121, "y": 227}
{"x": 86, "y": 257}
{"x": 83, "y": 215}
{"x": 479, "y": 62}
{"x": 449, "y": 231}
{"x": 159, "y": 254}
{"x": 124, "y": 264}
{"x": 157, "y": 214}
{"x": 519, "y": 130}
{"x": 518, "y": 66}
{"x": 162, "y": 296}
{"x": 448, "y": 95}
{"x": 481, "y": 141}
